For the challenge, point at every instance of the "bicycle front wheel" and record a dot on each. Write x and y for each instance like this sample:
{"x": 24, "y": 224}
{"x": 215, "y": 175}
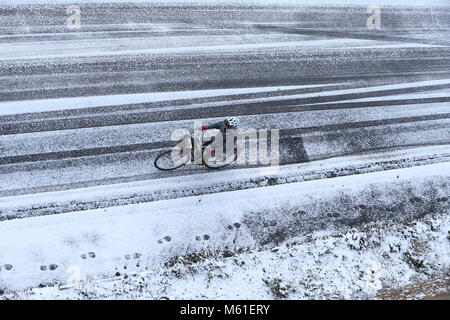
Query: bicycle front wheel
{"x": 165, "y": 162}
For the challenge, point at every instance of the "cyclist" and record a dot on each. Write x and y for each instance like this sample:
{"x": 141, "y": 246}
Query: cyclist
{"x": 223, "y": 126}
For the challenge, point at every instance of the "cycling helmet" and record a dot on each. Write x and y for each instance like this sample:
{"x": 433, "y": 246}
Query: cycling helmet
{"x": 232, "y": 122}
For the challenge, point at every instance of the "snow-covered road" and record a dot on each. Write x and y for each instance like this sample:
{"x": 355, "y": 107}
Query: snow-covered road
{"x": 84, "y": 112}
{"x": 97, "y": 103}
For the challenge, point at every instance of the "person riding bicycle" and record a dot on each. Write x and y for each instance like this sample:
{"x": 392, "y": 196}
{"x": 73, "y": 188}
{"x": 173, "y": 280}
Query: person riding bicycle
{"x": 222, "y": 126}
{"x": 178, "y": 155}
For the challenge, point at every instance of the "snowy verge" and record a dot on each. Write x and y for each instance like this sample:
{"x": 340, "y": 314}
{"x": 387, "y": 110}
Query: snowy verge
{"x": 45, "y": 250}
{"x": 363, "y": 263}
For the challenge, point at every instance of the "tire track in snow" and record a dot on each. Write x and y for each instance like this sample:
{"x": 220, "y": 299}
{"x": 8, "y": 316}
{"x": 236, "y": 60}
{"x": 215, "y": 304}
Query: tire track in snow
{"x": 282, "y": 106}
{"x": 286, "y": 136}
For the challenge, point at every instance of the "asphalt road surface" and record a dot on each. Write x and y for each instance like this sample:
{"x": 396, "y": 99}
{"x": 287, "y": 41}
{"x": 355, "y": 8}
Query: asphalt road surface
{"x": 84, "y": 106}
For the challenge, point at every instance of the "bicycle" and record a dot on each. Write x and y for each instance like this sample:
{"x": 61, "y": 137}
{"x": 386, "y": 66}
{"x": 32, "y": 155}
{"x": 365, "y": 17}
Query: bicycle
{"x": 169, "y": 160}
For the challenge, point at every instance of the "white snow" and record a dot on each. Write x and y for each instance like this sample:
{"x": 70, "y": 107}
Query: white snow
{"x": 396, "y": 46}
{"x": 419, "y": 95}
{"x": 111, "y": 233}
{"x": 328, "y": 43}
{"x": 46, "y": 105}
{"x": 353, "y": 264}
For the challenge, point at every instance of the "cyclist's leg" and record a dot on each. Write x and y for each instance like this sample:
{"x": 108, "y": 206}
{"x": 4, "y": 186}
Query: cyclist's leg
{"x": 192, "y": 149}
{"x": 202, "y": 150}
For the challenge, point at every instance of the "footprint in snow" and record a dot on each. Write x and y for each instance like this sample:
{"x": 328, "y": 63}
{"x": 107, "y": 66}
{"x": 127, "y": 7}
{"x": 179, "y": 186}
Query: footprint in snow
{"x": 136, "y": 255}
{"x": 51, "y": 267}
{"x": 166, "y": 238}
{"x": 236, "y": 225}
{"x": 7, "y": 267}
{"x": 91, "y": 255}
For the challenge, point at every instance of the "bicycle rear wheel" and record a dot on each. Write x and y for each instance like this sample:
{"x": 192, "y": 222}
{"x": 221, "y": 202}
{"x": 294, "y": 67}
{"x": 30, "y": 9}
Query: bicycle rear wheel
{"x": 214, "y": 163}
{"x": 165, "y": 162}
